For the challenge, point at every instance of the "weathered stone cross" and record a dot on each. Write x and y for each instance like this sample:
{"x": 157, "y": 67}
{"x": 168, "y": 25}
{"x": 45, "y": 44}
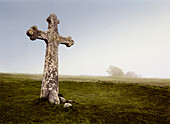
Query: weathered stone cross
{"x": 50, "y": 86}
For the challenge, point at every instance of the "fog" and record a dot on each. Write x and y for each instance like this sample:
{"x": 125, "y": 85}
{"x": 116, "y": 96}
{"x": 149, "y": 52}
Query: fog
{"x": 133, "y": 35}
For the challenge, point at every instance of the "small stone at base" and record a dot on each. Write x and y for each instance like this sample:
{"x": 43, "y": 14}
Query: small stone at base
{"x": 62, "y": 99}
{"x": 71, "y": 101}
{"x": 66, "y": 105}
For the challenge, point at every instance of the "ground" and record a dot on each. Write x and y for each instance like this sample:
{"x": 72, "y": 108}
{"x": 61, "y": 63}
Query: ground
{"x": 97, "y": 100}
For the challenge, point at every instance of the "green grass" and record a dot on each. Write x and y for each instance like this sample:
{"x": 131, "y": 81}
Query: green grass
{"x": 97, "y": 100}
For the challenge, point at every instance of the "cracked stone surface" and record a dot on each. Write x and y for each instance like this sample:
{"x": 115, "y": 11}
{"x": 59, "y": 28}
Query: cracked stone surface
{"x": 50, "y": 86}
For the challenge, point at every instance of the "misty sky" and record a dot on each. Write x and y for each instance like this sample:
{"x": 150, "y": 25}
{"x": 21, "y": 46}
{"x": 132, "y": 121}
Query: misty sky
{"x": 131, "y": 34}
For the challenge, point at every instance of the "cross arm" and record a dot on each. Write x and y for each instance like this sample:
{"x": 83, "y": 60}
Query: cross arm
{"x": 66, "y": 40}
{"x": 34, "y": 34}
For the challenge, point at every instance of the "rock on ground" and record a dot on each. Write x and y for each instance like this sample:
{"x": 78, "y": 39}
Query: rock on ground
{"x": 66, "y": 105}
{"x": 71, "y": 101}
{"x": 62, "y": 99}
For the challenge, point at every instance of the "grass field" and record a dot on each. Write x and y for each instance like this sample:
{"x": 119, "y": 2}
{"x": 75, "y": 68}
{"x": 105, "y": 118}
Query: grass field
{"x": 97, "y": 100}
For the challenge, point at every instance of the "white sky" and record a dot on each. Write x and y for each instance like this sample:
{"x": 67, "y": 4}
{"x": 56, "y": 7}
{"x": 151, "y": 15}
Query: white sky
{"x": 131, "y": 34}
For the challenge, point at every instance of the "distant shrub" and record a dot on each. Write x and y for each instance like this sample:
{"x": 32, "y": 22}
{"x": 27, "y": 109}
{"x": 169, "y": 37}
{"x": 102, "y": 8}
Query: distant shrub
{"x": 115, "y": 71}
{"x": 130, "y": 74}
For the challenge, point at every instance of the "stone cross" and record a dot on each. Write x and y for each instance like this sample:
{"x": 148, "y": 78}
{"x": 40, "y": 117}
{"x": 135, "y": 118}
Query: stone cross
{"x": 50, "y": 86}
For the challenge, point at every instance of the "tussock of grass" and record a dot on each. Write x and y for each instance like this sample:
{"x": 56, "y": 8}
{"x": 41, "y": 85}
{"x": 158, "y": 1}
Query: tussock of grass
{"x": 95, "y": 102}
